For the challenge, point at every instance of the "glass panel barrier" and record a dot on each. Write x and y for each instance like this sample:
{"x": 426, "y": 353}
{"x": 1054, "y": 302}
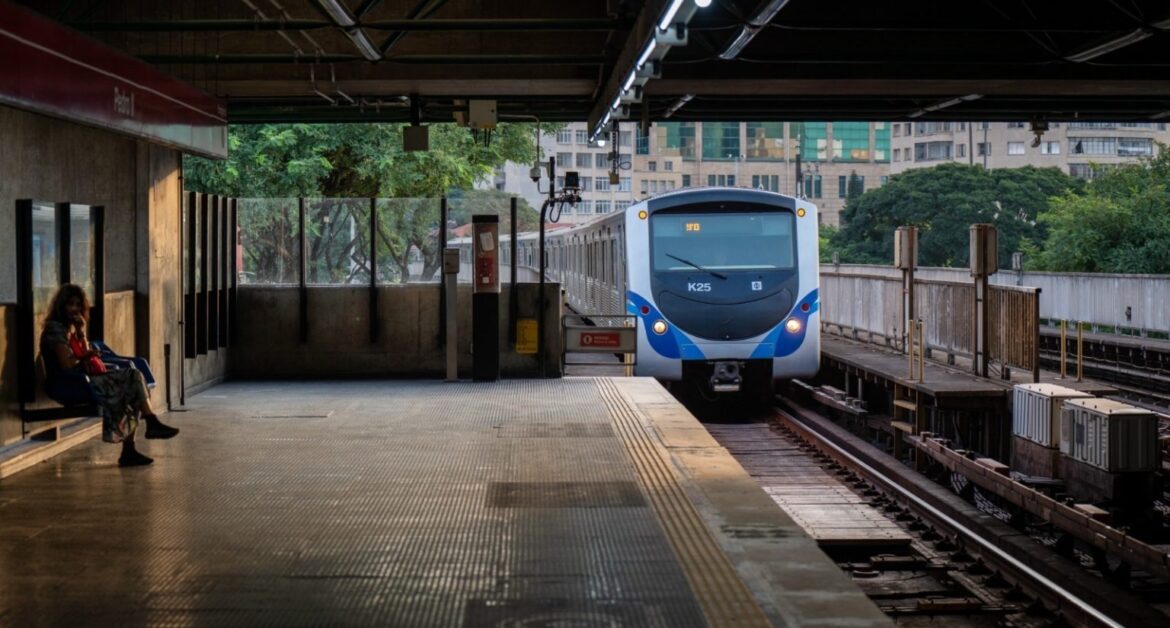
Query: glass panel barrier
{"x": 269, "y": 241}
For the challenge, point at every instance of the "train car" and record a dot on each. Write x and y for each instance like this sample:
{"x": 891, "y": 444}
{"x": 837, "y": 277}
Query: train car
{"x": 723, "y": 282}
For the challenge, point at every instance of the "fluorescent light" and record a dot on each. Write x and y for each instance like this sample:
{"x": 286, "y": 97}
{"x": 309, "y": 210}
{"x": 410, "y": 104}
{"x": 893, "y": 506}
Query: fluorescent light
{"x": 943, "y": 104}
{"x": 646, "y": 53}
{"x": 338, "y": 12}
{"x": 678, "y": 104}
{"x": 749, "y": 31}
{"x": 702, "y": 4}
{"x": 668, "y": 17}
{"x": 629, "y": 81}
{"x": 364, "y": 45}
{"x": 617, "y": 102}
{"x": 1109, "y": 46}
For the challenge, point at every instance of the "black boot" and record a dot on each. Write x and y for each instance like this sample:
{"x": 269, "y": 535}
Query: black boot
{"x": 156, "y": 429}
{"x": 130, "y": 456}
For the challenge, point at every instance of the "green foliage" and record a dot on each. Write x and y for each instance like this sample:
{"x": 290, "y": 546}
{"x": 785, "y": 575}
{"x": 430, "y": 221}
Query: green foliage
{"x": 1120, "y": 224}
{"x": 827, "y": 235}
{"x": 339, "y": 167}
{"x": 855, "y": 187}
{"x": 943, "y": 202}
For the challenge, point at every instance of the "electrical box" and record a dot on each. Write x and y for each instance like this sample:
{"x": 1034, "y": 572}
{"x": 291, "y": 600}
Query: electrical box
{"x": 572, "y": 180}
{"x": 416, "y": 138}
{"x": 984, "y": 250}
{"x": 906, "y": 248}
{"x": 481, "y": 114}
{"x": 450, "y": 261}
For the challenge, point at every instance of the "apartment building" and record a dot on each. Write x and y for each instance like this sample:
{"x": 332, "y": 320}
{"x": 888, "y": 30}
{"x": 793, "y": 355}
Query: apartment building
{"x": 761, "y": 155}
{"x": 1081, "y": 149}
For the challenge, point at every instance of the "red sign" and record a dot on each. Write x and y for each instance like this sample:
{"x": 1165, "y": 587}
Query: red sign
{"x": 53, "y": 70}
{"x": 601, "y": 339}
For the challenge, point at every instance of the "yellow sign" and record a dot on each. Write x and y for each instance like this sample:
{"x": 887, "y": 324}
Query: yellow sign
{"x": 694, "y": 226}
{"x": 526, "y": 335}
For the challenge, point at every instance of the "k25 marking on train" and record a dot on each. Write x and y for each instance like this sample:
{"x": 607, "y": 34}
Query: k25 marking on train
{"x": 698, "y": 287}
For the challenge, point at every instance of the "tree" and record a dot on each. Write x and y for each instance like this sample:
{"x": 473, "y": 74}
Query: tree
{"x": 338, "y": 168}
{"x": 943, "y": 202}
{"x": 1120, "y": 224}
{"x": 855, "y": 188}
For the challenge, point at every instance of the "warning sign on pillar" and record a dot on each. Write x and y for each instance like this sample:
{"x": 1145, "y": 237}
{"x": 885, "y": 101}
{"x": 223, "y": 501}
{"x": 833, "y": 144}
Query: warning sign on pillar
{"x": 616, "y": 340}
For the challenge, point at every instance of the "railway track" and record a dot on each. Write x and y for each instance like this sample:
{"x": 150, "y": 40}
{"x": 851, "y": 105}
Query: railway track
{"x": 955, "y": 564}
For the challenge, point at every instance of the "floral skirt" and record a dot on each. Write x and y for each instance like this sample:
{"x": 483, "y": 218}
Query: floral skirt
{"x": 119, "y": 393}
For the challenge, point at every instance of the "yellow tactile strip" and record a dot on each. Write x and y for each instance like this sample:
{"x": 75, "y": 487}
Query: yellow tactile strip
{"x": 723, "y": 596}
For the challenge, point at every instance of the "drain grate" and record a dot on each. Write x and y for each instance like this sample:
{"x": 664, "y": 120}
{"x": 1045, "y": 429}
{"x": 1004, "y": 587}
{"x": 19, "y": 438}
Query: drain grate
{"x": 564, "y": 495}
{"x": 556, "y": 612}
{"x": 556, "y": 430}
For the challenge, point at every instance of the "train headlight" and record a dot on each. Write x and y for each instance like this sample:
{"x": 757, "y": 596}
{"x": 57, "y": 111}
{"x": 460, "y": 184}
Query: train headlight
{"x": 659, "y": 327}
{"x": 792, "y": 325}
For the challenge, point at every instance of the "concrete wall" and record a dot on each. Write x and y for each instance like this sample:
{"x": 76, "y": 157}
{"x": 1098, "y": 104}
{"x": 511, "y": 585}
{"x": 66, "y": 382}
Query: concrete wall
{"x": 1096, "y": 298}
{"x": 140, "y": 186}
{"x": 339, "y": 339}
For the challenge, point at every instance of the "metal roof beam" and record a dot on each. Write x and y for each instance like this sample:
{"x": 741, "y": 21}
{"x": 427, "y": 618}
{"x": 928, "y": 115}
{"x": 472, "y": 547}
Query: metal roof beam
{"x": 470, "y": 25}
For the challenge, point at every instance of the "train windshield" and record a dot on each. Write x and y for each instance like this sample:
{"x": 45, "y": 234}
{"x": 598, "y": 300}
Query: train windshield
{"x": 730, "y": 241}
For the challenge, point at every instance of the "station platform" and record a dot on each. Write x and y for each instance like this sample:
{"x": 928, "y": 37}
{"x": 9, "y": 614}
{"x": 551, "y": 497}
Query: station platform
{"x": 580, "y": 501}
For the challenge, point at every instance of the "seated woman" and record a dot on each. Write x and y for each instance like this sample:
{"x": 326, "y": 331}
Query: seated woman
{"x": 120, "y": 394}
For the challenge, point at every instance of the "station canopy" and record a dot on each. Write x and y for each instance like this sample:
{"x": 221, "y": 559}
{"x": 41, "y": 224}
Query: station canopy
{"x": 574, "y": 60}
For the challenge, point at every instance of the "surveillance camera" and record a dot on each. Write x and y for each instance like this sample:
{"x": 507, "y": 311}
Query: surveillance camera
{"x": 534, "y": 173}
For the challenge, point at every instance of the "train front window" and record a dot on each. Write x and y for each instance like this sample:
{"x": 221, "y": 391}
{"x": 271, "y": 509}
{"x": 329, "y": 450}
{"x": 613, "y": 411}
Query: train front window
{"x": 732, "y": 241}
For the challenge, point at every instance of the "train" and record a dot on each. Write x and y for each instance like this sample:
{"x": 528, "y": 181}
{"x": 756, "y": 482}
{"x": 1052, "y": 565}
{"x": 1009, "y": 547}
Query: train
{"x": 723, "y": 284}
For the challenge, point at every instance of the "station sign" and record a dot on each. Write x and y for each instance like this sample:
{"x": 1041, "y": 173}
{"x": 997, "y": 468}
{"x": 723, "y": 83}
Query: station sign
{"x": 605, "y": 340}
{"x": 53, "y": 70}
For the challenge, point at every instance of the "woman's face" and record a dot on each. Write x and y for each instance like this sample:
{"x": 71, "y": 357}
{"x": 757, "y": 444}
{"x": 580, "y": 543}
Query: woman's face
{"x": 73, "y": 308}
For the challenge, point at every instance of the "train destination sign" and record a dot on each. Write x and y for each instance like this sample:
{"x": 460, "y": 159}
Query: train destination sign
{"x": 52, "y": 70}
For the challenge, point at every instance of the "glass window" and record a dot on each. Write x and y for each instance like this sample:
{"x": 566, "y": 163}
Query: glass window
{"x": 881, "y": 142}
{"x": 721, "y": 141}
{"x": 676, "y": 139}
{"x": 722, "y": 241}
{"x": 897, "y": 154}
{"x": 1015, "y": 148}
{"x": 983, "y": 149}
{"x": 583, "y": 160}
{"x": 564, "y": 159}
{"x": 730, "y": 180}
{"x": 582, "y": 136}
{"x": 1092, "y": 145}
{"x": 271, "y": 242}
{"x": 585, "y": 207}
{"x": 841, "y": 183}
{"x": 1016, "y": 125}
{"x": 765, "y": 141}
{"x": 601, "y": 160}
{"x": 851, "y": 141}
{"x": 601, "y": 207}
{"x": 932, "y": 151}
{"x": 643, "y": 147}
{"x": 602, "y": 184}
{"x": 711, "y": 182}
{"x": 1135, "y": 146}
{"x": 1049, "y": 148}
{"x": 960, "y": 150}
{"x": 653, "y": 167}
{"x": 686, "y": 180}
{"x": 624, "y": 138}
{"x": 883, "y": 179}
{"x": 624, "y": 184}
{"x": 564, "y": 136}
{"x": 815, "y": 188}
{"x": 586, "y": 184}
{"x": 668, "y": 166}
{"x": 45, "y": 257}
{"x": 812, "y": 139}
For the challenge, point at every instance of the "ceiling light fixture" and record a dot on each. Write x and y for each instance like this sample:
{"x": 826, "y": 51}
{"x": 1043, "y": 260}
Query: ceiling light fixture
{"x": 678, "y": 104}
{"x": 1108, "y": 46}
{"x": 754, "y": 25}
{"x": 945, "y": 104}
{"x": 364, "y": 45}
{"x": 668, "y": 17}
{"x": 341, "y": 15}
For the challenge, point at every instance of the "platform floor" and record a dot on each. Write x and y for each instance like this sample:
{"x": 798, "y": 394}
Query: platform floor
{"x": 581, "y": 501}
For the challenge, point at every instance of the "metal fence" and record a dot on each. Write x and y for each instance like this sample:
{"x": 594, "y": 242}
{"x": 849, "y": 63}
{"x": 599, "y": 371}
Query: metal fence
{"x": 856, "y": 304}
{"x": 1132, "y": 304}
{"x": 1014, "y": 327}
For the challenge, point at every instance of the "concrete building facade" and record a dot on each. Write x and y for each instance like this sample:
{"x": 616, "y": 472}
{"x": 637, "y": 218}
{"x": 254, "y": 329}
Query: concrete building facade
{"x": 761, "y": 155}
{"x": 1080, "y": 149}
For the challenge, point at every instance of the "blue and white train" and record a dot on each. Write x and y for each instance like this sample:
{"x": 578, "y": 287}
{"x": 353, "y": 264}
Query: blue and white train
{"x": 723, "y": 282}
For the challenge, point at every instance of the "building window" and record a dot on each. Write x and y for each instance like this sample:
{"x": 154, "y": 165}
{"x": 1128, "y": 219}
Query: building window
{"x": 652, "y": 166}
{"x": 564, "y": 159}
{"x": 851, "y": 141}
{"x": 564, "y": 136}
{"x": 731, "y": 180}
{"x": 645, "y": 186}
{"x": 1015, "y": 148}
{"x": 668, "y": 166}
{"x": 882, "y": 180}
{"x": 1049, "y": 148}
{"x": 932, "y": 151}
{"x": 584, "y": 207}
{"x": 897, "y": 130}
{"x": 983, "y": 149}
{"x": 1135, "y": 146}
{"x": 601, "y": 207}
{"x": 721, "y": 141}
{"x": 620, "y": 206}
{"x": 676, "y": 139}
{"x": 1086, "y": 171}
{"x": 601, "y": 160}
{"x": 960, "y": 150}
{"x": 583, "y": 160}
{"x": 1016, "y": 125}
{"x": 881, "y": 142}
{"x": 686, "y": 182}
{"x": 842, "y": 181}
{"x": 765, "y": 141}
{"x": 1092, "y": 145}
{"x": 643, "y": 145}
{"x": 625, "y": 185}
{"x": 582, "y": 137}
{"x": 586, "y": 184}
{"x": 897, "y": 154}
{"x": 814, "y": 185}
{"x": 812, "y": 139}
{"x": 624, "y": 138}
{"x": 602, "y": 184}
{"x": 766, "y": 182}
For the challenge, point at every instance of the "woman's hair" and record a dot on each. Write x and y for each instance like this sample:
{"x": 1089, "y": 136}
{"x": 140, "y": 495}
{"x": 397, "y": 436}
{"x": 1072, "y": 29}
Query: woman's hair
{"x": 61, "y": 299}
